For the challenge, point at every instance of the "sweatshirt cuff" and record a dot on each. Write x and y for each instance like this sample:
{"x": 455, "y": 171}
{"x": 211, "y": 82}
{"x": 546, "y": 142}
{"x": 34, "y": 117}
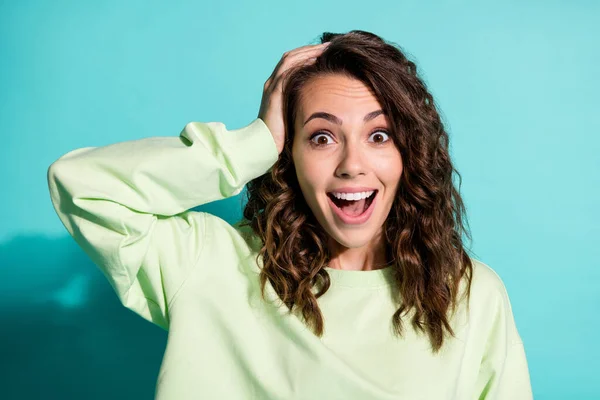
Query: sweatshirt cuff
{"x": 253, "y": 149}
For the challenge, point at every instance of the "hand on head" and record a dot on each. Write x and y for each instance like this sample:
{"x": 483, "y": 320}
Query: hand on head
{"x": 271, "y": 105}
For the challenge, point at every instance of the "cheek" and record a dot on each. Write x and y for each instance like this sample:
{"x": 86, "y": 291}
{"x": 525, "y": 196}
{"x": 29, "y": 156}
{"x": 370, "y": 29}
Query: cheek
{"x": 311, "y": 180}
{"x": 390, "y": 173}
{"x": 305, "y": 179}
{"x": 309, "y": 184}
{"x": 307, "y": 172}
{"x": 394, "y": 174}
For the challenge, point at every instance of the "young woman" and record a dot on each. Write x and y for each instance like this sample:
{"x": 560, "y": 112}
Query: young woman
{"x": 347, "y": 277}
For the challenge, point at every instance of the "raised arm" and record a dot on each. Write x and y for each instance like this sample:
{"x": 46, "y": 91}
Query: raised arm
{"x": 126, "y": 204}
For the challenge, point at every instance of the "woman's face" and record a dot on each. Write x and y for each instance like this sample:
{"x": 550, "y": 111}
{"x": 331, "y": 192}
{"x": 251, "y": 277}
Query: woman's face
{"x": 348, "y": 147}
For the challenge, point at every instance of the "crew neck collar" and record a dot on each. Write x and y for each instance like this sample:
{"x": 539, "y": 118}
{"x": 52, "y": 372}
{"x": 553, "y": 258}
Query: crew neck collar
{"x": 362, "y": 279}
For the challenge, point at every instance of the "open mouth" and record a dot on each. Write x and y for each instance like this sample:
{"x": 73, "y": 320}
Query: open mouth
{"x": 353, "y": 208}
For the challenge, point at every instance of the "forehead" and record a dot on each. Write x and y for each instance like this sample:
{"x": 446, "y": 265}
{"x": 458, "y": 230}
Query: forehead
{"x": 337, "y": 94}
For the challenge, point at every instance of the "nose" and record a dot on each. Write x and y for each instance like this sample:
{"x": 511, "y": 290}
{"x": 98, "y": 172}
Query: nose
{"x": 351, "y": 163}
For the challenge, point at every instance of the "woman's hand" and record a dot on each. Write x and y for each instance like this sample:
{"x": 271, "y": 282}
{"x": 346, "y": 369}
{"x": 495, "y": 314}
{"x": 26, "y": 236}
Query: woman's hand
{"x": 271, "y": 105}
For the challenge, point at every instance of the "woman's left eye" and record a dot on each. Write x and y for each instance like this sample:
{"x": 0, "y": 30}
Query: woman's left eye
{"x": 381, "y": 131}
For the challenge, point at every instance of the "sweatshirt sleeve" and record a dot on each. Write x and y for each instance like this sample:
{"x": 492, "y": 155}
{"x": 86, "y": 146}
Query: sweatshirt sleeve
{"x": 503, "y": 372}
{"x": 127, "y": 204}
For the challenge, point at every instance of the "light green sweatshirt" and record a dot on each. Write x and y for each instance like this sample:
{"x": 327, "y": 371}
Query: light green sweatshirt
{"x": 128, "y": 206}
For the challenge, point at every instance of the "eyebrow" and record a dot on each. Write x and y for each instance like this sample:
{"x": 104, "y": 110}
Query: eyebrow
{"x": 336, "y": 120}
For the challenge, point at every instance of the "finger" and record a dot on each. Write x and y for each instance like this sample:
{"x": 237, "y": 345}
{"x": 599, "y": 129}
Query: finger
{"x": 303, "y": 52}
{"x": 297, "y": 64}
{"x": 298, "y": 58}
{"x": 293, "y": 57}
{"x": 308, "y": 48}
{"x": 280, "y": 79}
{"x": 277, "y": 74}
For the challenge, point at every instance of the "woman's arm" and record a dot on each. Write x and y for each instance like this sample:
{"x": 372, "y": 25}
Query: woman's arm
{"x": 126, "y": 204}
{"x": 511, "y": 379}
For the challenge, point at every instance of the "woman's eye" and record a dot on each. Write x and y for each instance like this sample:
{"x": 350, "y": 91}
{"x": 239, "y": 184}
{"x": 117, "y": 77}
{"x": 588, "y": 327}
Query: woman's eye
{"x": 379, "y": 133}
{"x": 320, "y": 142}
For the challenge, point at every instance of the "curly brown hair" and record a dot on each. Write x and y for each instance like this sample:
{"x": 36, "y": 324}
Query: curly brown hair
{"x": 424, "y": 228}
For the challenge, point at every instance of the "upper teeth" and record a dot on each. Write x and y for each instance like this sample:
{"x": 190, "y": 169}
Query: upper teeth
{"x": 353, "y": 196}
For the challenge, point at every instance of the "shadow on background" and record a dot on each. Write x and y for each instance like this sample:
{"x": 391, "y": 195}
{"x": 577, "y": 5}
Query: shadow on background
{"x": 64, "y": 334}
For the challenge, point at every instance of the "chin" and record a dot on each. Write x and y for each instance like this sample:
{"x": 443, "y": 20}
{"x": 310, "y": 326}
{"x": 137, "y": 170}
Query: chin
{"x": 349, "y": 241}
{"x": 356, "y": 237}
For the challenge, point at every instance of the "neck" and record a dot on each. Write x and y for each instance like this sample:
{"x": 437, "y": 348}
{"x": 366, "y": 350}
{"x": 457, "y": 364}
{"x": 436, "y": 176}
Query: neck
{"x": 369, "y": 257}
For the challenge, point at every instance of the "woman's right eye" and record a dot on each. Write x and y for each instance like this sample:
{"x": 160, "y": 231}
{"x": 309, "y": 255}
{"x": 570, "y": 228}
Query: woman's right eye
{"x": 319, "y": 142}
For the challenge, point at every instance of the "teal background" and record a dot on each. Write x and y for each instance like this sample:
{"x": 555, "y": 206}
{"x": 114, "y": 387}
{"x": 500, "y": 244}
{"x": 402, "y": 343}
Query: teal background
{"x": 518, "y": 86}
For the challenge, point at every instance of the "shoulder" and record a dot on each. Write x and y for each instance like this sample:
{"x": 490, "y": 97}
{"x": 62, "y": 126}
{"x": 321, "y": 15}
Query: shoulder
{"x": 490, "y": 303}
{"x": 487, "y": 287}
{"x": 486, "y": 281}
